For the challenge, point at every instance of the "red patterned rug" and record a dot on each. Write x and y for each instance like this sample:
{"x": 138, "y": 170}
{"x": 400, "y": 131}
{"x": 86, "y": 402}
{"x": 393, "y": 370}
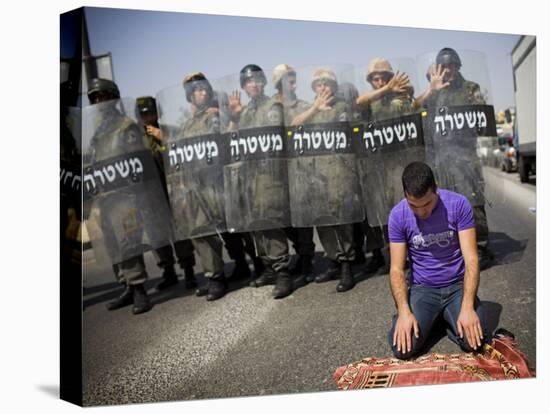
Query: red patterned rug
{"x": 499, "y": 360}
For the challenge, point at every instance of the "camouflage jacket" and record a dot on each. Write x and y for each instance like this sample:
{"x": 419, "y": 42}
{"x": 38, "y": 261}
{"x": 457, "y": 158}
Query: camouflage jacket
{"x": 459, "y": 92}
{"x": 391, "y": 105}
{"x": 263, "y": 111}
{"x": 338, "y": 113}
{"x": 201, "y": 123}
{"x": 291, "y": 108}
{"x": 116, "y": 135}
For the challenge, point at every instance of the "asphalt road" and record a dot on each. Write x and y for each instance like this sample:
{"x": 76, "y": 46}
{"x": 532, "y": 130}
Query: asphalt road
{"x": 250, "y": 344}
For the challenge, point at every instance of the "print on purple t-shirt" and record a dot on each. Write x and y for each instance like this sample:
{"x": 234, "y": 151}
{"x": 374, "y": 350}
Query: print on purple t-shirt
{"x": 434, "y": 249}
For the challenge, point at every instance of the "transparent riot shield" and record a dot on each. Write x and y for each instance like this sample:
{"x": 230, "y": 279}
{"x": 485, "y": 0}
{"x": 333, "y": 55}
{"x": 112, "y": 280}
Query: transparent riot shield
{"x": 323, "y": 184}
{"x": 255, "y": 176}
{"x": 193, "y": 160}
{"x": 125, "y": 204}
{"x": 70, "y": 184}
{"x": 383, "y": 150}
{"x": 458, "y": 118}
{"x": 387, "y": 133}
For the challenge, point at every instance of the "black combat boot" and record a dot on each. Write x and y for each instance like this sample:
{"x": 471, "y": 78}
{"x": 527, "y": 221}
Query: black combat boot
{"x": 141, "y": 300}
{"x": 283, "y": 287}
{"x": 190, "y": 281}
{"x": 241, "y": 270}
{"x": 376, "y": 262}
{"x": 346, "y": 278}
{"x": 303, "y": 271}
{"x": 169, "y": 279}
{"x": 216, "y": 288}
{"x": 123, "y": 300}
{"x": 268, "y": 277}
{"x": 259, "y": 267}
{"x": 330, "y": 274}
{"x": 203, "y": 289}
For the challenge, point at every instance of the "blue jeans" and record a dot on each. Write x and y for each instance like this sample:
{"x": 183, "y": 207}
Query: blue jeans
{"x": 428, "y": 304}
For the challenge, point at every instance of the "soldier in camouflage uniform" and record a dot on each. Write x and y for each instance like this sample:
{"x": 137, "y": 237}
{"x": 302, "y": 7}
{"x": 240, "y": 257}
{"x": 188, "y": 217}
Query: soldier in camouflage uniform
{"x": 205, "y": 120}
{"x": 391, "y": 96}
{"x": 448, "y": 88}
{"x": 337, "y": 240}
{"x": 271, "y": 245}
{"x": 147, "y": 108}
{"x": 118, "y": 131}
{"x": 284, "y": 79}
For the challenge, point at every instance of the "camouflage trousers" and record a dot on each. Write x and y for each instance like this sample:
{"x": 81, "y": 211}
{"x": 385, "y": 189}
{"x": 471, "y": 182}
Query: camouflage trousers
{"x": 184, "y": 252}
{"x": 337, "y": 241}
{"x": 302, "y": 240}
{"x": 210, "y": 252}
{"x": 272, "y": 248}
{"x": 131, "y": 271}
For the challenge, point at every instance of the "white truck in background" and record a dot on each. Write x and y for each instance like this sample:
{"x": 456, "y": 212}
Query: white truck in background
{"x": 524, "y": 64}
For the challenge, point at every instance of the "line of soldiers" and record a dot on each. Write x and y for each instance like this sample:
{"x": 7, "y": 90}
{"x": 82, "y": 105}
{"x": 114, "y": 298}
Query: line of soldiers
{"x": 213, "y": 113}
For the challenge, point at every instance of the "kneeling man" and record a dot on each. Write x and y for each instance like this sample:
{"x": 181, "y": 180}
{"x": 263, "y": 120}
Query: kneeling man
{"x": 436, "y": 228}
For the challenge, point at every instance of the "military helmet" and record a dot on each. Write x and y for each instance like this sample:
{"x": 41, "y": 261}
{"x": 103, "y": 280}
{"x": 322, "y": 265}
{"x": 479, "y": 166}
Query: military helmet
{"x": 146, "y": 104}
{"x": 252, "y": 71}
{"x": 193, "y": 80}
{"x": 379, "y": 65}
{"x": 280, "y": 71}
{"x": 105, "y": 86}
{"x": 323, "y": 74}
{"x": 447, "y": 56}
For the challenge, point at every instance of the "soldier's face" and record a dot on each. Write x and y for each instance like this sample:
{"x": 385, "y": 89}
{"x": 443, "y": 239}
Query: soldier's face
{"x": 148, "y": 118}
{"x": 378, "y": 80}
{"x": 422, "y": 207}
{"x": 254, "y": 87}
{"x": 200, "y": 97}
{"x": 99, "y": 97}
{"x": 289, "y": 84}
{"x": 322, "y": 85}
{"x": 451, "y": 72}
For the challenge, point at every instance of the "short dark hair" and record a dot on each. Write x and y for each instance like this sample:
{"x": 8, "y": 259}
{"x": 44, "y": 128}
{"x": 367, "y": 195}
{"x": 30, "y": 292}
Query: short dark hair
{"x": 417, "y": 179}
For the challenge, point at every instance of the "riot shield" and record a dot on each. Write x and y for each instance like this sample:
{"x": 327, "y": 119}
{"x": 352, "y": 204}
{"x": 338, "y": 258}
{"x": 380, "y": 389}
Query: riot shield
{"x": 387, "y": 136}
{"x": 126, "y": 208}
{"x": 384, "y": 148}
{"x": 255, "y": 176}
{"x": 457, "y": 114}
{"x": 193, "y": 162}
{"x": 70, "y": 184}
{"x": 323, "y": 185}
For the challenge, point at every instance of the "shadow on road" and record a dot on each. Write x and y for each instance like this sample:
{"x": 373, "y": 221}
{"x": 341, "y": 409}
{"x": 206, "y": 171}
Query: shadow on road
{"x": 506, "y": 249}
{"x": 114, "y": 289}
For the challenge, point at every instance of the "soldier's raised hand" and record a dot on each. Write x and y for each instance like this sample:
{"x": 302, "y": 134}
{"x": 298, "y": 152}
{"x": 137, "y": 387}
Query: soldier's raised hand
{"x": 234, "y": 102}
{"x": 324, "y": 100}
{"x": 399, "y": 82}
{"x": 437, "y": 74}
{"x": 154, "y": 132}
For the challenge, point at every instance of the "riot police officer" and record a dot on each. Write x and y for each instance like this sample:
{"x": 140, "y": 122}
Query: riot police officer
{"x": 337, "y": 240}
{"x": 449, "y": 88}
{"x": 131, "y": 270}
{"x": 203, "y": 121}
{"x": 147, "y": 108}
{"x": 390, "y": 97}
{"x": 261, "y": 111}
{"x": 284, "y": 81}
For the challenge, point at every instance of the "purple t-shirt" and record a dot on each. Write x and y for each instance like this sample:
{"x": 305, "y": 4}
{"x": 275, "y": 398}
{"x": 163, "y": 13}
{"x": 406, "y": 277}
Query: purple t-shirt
{"x": 434, "y": 249}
